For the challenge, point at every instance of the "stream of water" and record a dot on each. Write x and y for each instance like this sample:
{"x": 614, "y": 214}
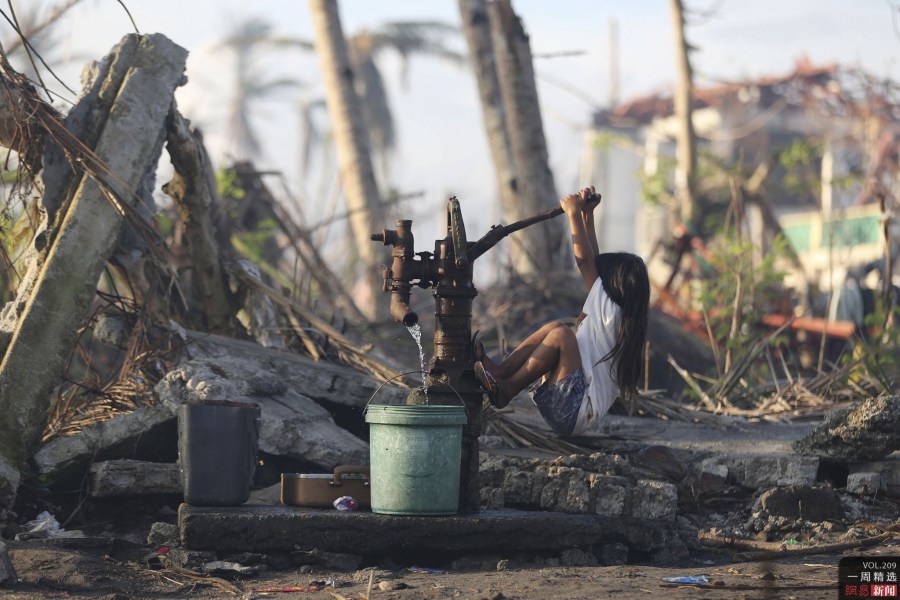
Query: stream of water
{"x": 416, "y": 332}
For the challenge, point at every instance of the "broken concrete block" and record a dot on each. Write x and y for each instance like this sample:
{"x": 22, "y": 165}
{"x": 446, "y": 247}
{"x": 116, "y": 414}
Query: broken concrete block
{"x": 190, "y": 559}
{"x": 275, "y": 529}
{"x": 7, "y": 571}
{"x": 576, "y": 496}
{"x": 566, "y": 490}
{"x": 813, "y": 504}
{"x": 517, "y": 487}
{"x": 865, "y": 483}
{"x": 609, "y": 493}
{"x": 320, "y": 381}
{"x": 769, "y": 470}
{"x": 540, "y": 480}
{"x": 163, "y": 534}
{"x": 492, "y": 471}
{"x": 134, "y": 478}
{"x": 291, "y": 424}
{"x": 889, "y": 471}
{"x": 550, "y": 493}
{"x": 653, "y": 499}
{"x": 713, "y": 476}
{"x": 62, "y": 452}
{"x": 865, "y": 432}
{"x": 492, "y": 498}
{"x": 9, "y": 482}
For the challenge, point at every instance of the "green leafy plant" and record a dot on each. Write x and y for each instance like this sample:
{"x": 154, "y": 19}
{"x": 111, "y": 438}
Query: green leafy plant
{"x": 801, "y": 160}
{"x": 736, "y": 298}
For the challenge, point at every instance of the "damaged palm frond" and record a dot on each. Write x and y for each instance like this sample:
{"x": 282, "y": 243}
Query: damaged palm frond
{"x": 26, "y": 122}
{"x": 657, "y": 404}
{"x": 122, "y": 356}
{"x": 801, "y": 396}
{"x": 520, "y": 435}
{"x": 28, "y": 125}
{"x": 348, "y": 351}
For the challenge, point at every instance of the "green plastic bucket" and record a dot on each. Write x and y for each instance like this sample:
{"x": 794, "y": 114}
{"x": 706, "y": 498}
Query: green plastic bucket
{"x": 414, "y": 458}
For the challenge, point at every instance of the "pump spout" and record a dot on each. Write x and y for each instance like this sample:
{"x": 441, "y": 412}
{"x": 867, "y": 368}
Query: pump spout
{"x": 403, "y": 270}
{"x": 400, "y": 310}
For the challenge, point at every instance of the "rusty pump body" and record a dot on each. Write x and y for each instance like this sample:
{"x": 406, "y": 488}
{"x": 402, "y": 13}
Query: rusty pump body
{"x": 448, "y": 271}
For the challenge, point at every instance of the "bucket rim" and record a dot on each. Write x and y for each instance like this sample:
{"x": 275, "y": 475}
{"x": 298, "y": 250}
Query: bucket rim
{"x": 418, "y": 414}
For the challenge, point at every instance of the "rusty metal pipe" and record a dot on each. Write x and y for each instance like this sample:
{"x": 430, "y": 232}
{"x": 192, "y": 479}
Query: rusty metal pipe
{"x": 403, "y": 270}
{"x": 498, "y": 232}
{"x": 400, "y": 310}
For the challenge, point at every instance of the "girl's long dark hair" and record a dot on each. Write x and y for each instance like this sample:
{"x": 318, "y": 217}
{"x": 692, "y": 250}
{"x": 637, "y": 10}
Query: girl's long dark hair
{"x": 625, "y": 281}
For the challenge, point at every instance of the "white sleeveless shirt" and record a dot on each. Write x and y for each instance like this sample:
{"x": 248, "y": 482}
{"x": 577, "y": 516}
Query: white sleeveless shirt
{"x": 596, "y": 336}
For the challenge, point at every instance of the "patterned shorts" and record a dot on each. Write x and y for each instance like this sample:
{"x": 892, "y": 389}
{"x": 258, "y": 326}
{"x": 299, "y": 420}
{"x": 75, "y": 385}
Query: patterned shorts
{"x": 560, "y": 402}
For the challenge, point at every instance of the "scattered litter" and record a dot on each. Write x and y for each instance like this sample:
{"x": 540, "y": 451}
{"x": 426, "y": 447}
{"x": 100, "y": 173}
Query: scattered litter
{"x": 156, "y": 559}
{"x": 792, "y": 542}
{"x": 346, "y": 504}
{"x": 314, "y": 586}
{"x": 46, "y": 526}
{"x": 221, "y": 568}
{"x": 330, "y": 583}
{"x": 425, "y": 570}
{"x": 688, "y": 579}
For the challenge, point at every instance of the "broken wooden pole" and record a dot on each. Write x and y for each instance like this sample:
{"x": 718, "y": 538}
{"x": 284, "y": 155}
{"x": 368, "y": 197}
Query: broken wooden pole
{"x": 140, "y": 81}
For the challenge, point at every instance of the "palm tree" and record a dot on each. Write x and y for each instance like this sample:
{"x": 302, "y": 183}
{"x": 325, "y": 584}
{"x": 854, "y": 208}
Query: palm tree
{"x": 686, "y": 140}
{"x": 476, "y": 26}
{"x": 538, "y": 249}
{"x": 372, "y": 133}
{"x": 351, "y": 142}
{"x": 406, "y": 38}
{"x": 248, "y": 39}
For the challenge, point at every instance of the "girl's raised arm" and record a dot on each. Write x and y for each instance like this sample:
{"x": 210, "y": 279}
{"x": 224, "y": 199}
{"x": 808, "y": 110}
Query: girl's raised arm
{"x": 591, "y": 201}
{"x": 573, "y": 206}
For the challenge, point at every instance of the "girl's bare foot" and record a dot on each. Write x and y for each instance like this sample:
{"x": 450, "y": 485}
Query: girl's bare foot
{"x": 491, "y": 386}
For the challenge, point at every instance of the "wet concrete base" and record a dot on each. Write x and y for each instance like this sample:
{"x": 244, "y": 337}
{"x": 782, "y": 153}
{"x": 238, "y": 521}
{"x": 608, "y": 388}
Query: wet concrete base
{"x": 272, "y": 529}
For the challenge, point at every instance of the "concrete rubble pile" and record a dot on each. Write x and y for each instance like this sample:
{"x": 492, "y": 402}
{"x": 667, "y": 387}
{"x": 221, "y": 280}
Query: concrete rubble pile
{"x": 118, "y": 127}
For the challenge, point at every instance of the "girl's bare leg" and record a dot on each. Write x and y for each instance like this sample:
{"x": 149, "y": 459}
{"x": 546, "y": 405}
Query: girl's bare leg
{"x": 556, "y": 356}
{"x": 512, "y": 363}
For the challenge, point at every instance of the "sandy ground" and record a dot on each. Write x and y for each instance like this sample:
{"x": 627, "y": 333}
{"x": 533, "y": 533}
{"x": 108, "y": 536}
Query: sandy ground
{"x": 64, "y": 573}
{"x": 47, "y": 572}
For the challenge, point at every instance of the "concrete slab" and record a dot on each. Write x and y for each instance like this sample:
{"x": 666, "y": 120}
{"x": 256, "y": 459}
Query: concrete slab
{"x": 267, "y": 529}
{"x": 727, "y": 435}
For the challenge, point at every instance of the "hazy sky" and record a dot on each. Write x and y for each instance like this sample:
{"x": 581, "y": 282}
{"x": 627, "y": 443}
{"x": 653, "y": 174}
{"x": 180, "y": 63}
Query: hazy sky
{"x": 442, "y": 147}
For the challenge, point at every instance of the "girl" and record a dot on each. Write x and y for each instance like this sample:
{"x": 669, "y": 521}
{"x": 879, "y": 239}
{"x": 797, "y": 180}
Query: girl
{"x": 582, "y": 369}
